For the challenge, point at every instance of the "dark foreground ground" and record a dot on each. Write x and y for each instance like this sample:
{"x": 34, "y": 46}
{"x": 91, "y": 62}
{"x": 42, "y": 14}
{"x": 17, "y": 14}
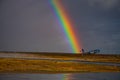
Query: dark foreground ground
{"x": 26, "y": 62}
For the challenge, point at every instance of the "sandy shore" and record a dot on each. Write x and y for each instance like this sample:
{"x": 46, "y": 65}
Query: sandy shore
{"x": 13, "y": 63}
{"x": 63, "y": 56}
{"x": 40, "y": 66}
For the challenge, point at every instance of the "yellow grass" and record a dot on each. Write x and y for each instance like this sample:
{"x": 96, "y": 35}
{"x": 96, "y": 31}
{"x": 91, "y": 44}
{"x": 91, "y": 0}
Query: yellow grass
{"x": 27, "y": 66}
{"x": 87, "y": 57}
{"x": 69, "y": 56}
{"x": 95, "y": 58}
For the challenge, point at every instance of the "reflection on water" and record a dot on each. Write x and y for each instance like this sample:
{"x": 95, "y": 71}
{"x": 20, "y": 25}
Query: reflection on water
{"x": 96, "y": 76}
{"x": 79, "y": 76}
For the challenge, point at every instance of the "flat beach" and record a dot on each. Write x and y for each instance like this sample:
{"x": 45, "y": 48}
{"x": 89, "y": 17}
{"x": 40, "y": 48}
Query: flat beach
{"x": 51, "y": 63}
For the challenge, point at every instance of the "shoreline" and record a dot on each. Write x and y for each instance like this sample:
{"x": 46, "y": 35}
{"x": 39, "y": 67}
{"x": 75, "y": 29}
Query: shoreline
{"x": 62, "y": 56}
{"x": 14, "y": 65}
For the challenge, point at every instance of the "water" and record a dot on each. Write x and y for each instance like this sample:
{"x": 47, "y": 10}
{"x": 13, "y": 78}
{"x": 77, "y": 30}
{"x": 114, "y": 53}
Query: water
{"x": 69, "y": 76}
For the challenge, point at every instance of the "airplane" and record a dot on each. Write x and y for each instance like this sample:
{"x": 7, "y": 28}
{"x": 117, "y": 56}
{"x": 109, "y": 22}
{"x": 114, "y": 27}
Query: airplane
{"x": 91, "y": 51}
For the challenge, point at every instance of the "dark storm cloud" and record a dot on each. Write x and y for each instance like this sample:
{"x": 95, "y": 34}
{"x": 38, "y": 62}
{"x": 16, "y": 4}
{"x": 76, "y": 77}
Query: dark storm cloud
{"x": 29, "y": 25}
{"x": 98, "y": 23}
{"x": 106, "y": 4}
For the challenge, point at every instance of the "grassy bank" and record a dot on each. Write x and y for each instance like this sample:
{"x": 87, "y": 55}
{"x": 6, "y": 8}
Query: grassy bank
{"x": 86, "y": 57}
{"x": 38, "y": 66}
{"x": 67, "y": 56}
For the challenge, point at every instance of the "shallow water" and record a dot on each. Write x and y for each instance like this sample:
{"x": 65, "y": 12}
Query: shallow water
{"x": 69, "y": 76}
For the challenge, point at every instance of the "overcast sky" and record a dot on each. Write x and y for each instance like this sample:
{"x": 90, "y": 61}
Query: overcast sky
{"x": 30, "y": 25}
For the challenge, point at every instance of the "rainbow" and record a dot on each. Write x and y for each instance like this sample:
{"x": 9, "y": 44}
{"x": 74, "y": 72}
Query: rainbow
{"x": 66, "y": 25}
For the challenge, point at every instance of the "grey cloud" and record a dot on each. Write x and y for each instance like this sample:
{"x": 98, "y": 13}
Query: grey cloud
{"x": 97, "y": 23}
{"x": 29, "y": 25}
{"x": 106, "y": 4}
